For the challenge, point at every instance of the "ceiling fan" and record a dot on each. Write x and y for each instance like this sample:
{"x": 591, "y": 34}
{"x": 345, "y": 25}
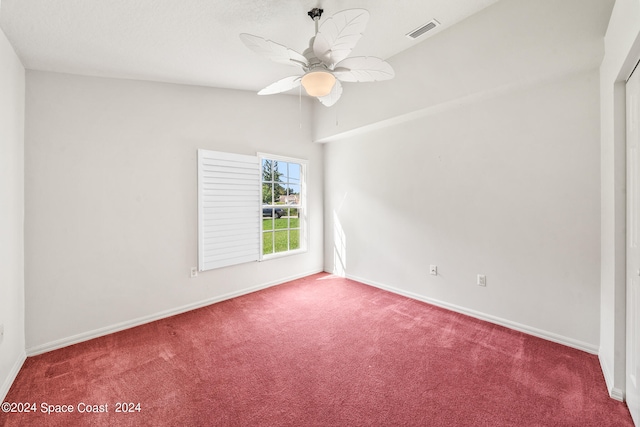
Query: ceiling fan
{"x": 325, "y": 62}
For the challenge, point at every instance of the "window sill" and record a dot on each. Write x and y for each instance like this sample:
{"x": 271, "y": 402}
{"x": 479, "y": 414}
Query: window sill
{"x": 282, "y": 254}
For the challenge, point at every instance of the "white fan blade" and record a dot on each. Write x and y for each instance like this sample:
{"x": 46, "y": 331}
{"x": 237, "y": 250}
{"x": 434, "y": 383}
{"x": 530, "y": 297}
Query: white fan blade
{"x": 280, "y": 86}
{"x": 332, "y": 98}
{"x": 339, "y": 34}
{"x": 363, "y": 69}
{"x": 273, "y": 51}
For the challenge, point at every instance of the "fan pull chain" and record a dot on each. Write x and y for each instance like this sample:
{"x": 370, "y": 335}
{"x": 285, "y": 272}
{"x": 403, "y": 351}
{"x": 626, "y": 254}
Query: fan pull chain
{"x": 300, "y": 103}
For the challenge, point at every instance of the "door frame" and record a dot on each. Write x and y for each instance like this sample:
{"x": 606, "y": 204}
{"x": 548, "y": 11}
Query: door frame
{"x": 631, "y": 196}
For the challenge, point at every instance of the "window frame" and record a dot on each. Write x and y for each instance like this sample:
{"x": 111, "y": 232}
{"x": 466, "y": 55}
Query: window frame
{"x": 302, "y": 207}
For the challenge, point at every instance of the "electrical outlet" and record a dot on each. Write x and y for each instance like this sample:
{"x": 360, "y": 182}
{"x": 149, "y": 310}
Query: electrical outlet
{"x": 194, "y": 272}
{"x": 433, "y": 270}
{"x": 482, "y": 280}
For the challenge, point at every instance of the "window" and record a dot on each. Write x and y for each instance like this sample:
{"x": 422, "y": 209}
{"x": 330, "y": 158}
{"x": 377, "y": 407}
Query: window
{"x": 249, "y": 208}
{"x": 283, "y": 205}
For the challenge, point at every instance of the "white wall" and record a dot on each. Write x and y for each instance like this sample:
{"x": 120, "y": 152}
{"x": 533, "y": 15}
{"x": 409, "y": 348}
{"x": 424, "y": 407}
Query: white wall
{"x": 111, "y": 217}
{"x": 12, "y": 88}
{"x": 510, "y": 44}
{"x": 622, "y": 51}
{"x": 494, "y": 169}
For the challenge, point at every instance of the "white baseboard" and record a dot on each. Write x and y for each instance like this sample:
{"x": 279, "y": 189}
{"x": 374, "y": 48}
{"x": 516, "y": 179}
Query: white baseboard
{"x": 12, "y": 376}
{"x": 614, "y": 392}
{"x": 549, "y": 336}
{"x": 85, "y": 336}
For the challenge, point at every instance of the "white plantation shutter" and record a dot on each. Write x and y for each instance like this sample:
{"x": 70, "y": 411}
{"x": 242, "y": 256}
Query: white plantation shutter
{"x": 228, "y": 209}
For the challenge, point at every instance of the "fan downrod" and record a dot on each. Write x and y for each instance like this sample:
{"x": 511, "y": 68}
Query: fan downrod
{"x": 315, "y": 13}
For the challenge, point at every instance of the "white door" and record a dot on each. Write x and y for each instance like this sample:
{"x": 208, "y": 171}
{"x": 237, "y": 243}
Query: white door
{"x": 633, "y": 251}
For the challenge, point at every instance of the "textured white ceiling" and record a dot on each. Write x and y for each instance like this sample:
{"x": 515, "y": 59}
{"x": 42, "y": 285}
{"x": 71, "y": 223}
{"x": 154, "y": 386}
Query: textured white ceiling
{"x": 196, "y": 41}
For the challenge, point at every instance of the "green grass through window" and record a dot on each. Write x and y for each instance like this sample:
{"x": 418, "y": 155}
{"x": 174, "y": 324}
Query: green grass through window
{"x": 286, "y": 233}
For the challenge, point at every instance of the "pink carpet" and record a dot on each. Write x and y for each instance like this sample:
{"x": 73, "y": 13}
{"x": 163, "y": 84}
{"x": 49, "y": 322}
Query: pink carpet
{"x": 320, "y": 351}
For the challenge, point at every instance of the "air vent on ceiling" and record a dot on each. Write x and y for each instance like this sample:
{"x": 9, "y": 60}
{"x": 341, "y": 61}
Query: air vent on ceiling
{"x": 423, "y": 29}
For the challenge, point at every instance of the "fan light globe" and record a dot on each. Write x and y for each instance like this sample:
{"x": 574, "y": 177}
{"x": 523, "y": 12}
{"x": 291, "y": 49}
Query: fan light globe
{"x": 318, "y": 83}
